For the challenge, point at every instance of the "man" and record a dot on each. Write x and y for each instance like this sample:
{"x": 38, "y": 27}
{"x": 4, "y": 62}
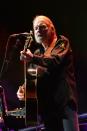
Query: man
{"x": 56, "y": 86}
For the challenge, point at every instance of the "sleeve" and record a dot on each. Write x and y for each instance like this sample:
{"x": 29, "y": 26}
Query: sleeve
{"x": 56, "y": 56}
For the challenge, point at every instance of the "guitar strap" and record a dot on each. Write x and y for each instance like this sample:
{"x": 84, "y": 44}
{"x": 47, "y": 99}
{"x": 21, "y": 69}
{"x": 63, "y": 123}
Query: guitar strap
{"x": 49, "y": 49}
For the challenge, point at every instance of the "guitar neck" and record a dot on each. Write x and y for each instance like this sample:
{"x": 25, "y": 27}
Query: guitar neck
{"x": 31, "y": 101}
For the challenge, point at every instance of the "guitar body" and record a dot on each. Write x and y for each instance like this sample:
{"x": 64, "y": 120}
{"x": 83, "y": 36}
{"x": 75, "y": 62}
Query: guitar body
{"x": 26, "y": 116}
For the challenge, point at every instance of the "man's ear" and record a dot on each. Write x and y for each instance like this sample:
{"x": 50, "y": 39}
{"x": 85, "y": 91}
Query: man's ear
{"x": 53, "y": 30}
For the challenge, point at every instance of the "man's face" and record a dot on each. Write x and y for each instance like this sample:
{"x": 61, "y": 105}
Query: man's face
{"x": 42, "y": 30}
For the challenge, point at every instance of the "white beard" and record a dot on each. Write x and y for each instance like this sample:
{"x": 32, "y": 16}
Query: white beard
{"x": 39, "y": 39}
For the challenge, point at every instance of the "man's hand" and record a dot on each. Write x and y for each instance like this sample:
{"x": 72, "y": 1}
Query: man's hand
{"x": 21, "y": 92}
{"x": 26, "y": 55}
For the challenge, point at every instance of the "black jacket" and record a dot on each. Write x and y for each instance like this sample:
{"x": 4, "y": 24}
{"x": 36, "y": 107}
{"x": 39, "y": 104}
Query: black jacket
{"x": 56, "y": 85}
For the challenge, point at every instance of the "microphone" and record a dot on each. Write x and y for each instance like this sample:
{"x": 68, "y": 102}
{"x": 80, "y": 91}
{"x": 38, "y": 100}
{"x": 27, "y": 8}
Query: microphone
{"x": 25, "y": 34}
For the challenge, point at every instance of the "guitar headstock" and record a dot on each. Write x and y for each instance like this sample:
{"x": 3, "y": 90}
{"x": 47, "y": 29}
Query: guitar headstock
{"x": 18, "y": 113}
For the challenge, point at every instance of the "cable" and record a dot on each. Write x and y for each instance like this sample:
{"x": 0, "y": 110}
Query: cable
{"x": 4, "y": 58}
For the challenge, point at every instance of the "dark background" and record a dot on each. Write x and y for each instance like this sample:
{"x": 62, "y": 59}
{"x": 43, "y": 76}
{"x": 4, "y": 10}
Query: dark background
{"x": 70, "y": 19}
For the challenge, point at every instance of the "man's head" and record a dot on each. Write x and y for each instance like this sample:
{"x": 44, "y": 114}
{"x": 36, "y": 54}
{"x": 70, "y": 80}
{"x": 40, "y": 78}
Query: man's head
{"x": 44, "y": 29}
